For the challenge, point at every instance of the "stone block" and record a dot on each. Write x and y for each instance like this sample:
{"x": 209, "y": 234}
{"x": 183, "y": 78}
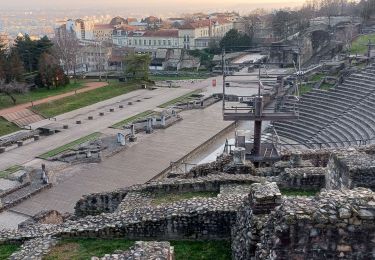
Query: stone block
{"x": 19, "y": 143}
{"x": 2, "y": 149}
{"x": 36, "y": 137}
{"x": 111, "y": 110}
{"x": 78, "y": 122}
{"x": 90, "y": 118}
{"x": 101, "y": 114}
{"x": 65, "y": 126}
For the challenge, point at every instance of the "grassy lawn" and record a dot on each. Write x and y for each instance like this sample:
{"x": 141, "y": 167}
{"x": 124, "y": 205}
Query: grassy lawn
{"x": 317, "y": 77}
{"x": 133, "y": 118}
{"x": 5, "y": 101}
{"x": 161, "y": 198}
{"x": 7, "y": 249}
{"x": 293, "y": 192}
{"x": 183, "y": 98}
{"x": 359, "y": 45}
{"x": 5, "y": 173}
{"x": 66, "y": 147}
{"x": 80, "y": 100}
{"x": 7, "y": 127}
{"x": 81, "y": 249}
{"x": 304, "y": 88}
{"x": 326, "y": 86}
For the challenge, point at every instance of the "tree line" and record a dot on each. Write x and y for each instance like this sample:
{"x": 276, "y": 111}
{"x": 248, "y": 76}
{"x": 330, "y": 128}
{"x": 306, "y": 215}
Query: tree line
{"x": 29, "y": 63}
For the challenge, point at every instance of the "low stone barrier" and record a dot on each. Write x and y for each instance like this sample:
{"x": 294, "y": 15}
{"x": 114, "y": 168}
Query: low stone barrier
{"x": 94, "y": 204}
{"x": 311, "y": 178}
{"x": 143, "y": 250}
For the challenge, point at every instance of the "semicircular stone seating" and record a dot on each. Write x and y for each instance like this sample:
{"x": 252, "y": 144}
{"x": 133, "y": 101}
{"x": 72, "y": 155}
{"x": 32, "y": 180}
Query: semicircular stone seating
{"x": 342, "y": 116}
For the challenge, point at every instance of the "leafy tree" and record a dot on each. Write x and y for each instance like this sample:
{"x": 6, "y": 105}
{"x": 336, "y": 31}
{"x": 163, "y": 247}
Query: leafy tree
{"x": 50, "y": 72}
{"x": 234, "y": 40}
{"x": 30, "y": 50}
{"x": 137, "y": 66}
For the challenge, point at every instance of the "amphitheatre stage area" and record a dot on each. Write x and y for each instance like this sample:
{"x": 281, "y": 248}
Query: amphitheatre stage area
{"x": 290, "y": 174}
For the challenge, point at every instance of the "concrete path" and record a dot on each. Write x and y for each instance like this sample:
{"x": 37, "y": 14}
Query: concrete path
{"x": 89, "y": 86}
{"x": 148, "y": 101}
{"x": 137, "y": 164}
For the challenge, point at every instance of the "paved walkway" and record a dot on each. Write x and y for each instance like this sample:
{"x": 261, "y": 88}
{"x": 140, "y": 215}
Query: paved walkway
{"x": 89, "y": 86}
{"x": 148, "y": 101}
{"x": 137, "y": 164}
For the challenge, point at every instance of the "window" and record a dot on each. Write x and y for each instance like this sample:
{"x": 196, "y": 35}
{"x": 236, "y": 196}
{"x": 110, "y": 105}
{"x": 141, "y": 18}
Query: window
{"x": 149, "y": 42}
{"x": 169, "y": 42}
{"x": 144, "y": 42}
{"x": 154, "y": 42}
{"x": 135, "y": 42}
{"x": 159, "y": 41}
{"x": 164, "y": 42}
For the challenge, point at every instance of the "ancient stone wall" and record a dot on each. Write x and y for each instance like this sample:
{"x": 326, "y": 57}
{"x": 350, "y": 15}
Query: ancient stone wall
{"x": 251, "y": 218}
{"x": 310, "y": 178}
{"x": 97, "y": 203}
{"x": 333, "y": 225}
{"x": 150, "y": 250}
{"x": 351, "y": 169}
{"x": 94, "y": 204}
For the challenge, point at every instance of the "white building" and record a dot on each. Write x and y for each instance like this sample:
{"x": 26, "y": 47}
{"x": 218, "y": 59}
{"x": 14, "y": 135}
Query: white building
{"x": 150, "y": 41}
{"x": 198, "y": 34}
{"x": 84, "y": 30}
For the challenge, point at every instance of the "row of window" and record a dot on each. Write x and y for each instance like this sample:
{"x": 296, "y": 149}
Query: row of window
{"x": 143, "y": 42}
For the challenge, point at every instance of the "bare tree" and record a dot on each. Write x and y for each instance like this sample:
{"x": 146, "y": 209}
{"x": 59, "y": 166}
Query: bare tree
{"x": 12, "y": 88}
{"x": 67, "y": 49}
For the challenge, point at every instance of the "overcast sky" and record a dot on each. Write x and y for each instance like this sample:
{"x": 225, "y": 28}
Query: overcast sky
{"x": 156, "y": 6}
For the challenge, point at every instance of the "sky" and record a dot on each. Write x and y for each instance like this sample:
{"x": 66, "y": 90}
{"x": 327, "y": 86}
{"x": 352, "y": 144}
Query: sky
{"x": 155, "y": 6}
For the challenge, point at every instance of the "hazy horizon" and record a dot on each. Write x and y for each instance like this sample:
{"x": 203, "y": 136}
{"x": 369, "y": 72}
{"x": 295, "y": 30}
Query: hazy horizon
{"x": 153, "y": 6}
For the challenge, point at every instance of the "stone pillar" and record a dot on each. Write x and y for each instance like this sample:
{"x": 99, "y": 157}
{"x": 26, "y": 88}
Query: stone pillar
{"x": 163, "y": 120}
{"x": 149, "y": 126}
{"x": 239, "y": 155}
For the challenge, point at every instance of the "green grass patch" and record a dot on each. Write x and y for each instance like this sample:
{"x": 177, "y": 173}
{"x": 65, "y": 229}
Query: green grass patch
{"x": 184, "y": 98}
{"x": 66, "y": 147}
{"x": 305, "y": 88}
{"x": 85, "y": 248}
{"x": 359, "y": 44}
{"x": 7, "y": 127}
{"x": 7, "y": 249}
{"x": 133, "y": 118}
{"x": 161, "y": 198}
{"x": 317, "y": 77}
{"x": 326, "y": 86}
{"x": 39, "y": 93}
{"x": 80, "y": 100}
{"x": 294, "y": 192}
{"x": 5, "y": 173}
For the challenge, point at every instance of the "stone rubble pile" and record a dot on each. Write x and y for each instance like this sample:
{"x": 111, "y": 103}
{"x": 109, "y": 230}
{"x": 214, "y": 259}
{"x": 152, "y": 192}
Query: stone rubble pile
{"x": 34, "y": 248}
{"x": 141, "y": 250}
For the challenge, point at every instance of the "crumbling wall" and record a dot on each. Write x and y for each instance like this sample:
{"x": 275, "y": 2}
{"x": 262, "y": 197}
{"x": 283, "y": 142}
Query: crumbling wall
{"x": 351, "y": 169}
{"x": 310, "y": 178}
{"x": 107, "y": 202}
{"x": 251, "y": 218}
{"x": 333, "y": 225}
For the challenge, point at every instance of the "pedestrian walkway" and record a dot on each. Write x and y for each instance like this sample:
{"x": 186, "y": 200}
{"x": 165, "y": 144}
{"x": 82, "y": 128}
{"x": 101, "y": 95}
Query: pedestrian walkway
{"x": 89, "y": 86}
{"x": 137, "y": 164}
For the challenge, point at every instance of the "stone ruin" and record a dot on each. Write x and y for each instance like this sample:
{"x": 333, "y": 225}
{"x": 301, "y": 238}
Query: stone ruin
{"x": 249, "y": 209}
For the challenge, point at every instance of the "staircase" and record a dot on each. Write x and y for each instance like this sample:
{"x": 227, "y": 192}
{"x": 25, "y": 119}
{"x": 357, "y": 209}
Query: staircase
{"x": 23, "y": 117}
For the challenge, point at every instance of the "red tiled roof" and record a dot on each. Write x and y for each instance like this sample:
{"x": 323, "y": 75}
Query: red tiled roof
{"x": 103, "y": 26}
{"x": 203, "y": 23}
{"x": 161, "y": 33}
